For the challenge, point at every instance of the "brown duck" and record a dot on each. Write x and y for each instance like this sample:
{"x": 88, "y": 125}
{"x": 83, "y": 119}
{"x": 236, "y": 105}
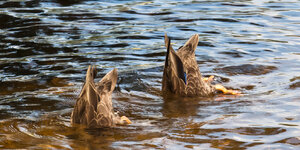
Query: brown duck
{"x": 182, "y": 75}
{"x": 94, "y": 107}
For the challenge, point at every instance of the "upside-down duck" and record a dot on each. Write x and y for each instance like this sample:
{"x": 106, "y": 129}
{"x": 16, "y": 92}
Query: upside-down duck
{"x": 182, "y": 75}
{"x": 93, "y": 107}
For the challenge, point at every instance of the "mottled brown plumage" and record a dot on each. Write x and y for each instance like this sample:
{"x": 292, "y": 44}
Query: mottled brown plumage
{"x": 94, "y": 107}
{"x": 181, "y": 72}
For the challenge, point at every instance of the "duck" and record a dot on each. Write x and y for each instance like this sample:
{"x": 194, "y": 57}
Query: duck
{"x": 93, "y": 106}
{"x": 182, "y": 76}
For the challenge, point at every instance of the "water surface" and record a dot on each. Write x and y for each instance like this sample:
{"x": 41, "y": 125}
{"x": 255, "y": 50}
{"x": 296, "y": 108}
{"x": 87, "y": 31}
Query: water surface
{"x": 252, "y": 45}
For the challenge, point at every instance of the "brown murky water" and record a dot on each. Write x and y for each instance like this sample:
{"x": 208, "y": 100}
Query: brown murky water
{"x": 252, "y": 45}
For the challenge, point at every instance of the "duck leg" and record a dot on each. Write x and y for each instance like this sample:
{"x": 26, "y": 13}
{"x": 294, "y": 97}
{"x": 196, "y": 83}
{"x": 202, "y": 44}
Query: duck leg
{"x": 209, "y": 79}
{"x": 226, "y": 91}
{"x": 220, "y": 87}
{"x": 125, "y": 120}
{"x": 121, "y": 120}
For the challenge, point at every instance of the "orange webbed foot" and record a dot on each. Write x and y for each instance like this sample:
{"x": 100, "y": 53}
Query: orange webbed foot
{"x": 209, "y": 79}
{"x": 125, "y": 120}
{"x": 226, "y": 91}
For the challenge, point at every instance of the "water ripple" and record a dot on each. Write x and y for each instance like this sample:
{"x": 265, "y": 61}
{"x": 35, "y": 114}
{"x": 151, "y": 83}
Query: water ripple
{"x": 252, "y": 46}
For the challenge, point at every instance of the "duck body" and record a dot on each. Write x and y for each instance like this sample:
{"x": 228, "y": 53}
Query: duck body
{"x": 94, "y": 107}
{"x": 181, "y": 72}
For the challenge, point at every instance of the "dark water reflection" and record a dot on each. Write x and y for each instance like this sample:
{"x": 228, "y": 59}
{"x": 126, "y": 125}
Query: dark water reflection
{"x": 253, "y": 46}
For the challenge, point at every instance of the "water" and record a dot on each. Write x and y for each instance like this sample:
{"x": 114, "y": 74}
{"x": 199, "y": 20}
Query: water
{"x": 252, "y": 45}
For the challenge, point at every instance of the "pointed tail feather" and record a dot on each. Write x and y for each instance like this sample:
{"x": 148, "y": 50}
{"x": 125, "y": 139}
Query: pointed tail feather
{"x": 176, "y": 63}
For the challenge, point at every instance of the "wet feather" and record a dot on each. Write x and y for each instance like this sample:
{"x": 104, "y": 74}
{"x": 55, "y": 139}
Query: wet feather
{"x": 93, "y": 107}
{"x": 181, "y": 72}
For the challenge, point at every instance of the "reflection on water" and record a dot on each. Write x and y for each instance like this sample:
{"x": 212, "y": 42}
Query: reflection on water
{"x": 253, "y": 46}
